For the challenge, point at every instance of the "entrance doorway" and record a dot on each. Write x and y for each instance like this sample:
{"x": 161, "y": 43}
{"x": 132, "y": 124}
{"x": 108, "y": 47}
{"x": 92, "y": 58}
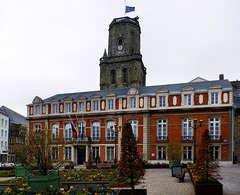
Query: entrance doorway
{"x": 81, "y": 155}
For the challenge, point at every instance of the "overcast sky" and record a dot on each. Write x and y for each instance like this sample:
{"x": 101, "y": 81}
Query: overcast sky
{"x": 49, "y": 47}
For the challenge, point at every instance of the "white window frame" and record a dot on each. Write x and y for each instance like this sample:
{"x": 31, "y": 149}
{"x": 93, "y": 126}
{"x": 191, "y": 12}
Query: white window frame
{"x": 110, "y": 132}
{"x": 68, "y": 153}
{"x": 55, "y": 153}
{"x": 134, "y": 124}
{"x": 187, "y": 149}
{"x": 214, "y": 97}
{"x": 213, "y": 152}
{"x": 37, "y": 110}
{"x": 95, "y": 104}
{"x": 215, "y": 128}
{"x": 133, "y": 102}
{"x": 95, "y": 152}
{"x": 162, "y": 130}
{"x": 67, "y": 132}
{"x": 55, "y": 108}
{"x": 81, "y": 106}
{"x": 163, "y": 150}
{"x": 187, "y": 131}
{"x": 187, "y": 96}
{"x": 68, "y": 106}
{"x": 81, "y": 127}
{"x": 110, "y": 153}
{"x": 55, "y": 132}
{"x": 213, "y": 89}
{"x": 96, "y": 131}
{"x": 111, "y": 104}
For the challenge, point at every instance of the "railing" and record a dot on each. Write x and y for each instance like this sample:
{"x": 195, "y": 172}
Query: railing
{"x": 162, "y": 138}
{"x": 187, "y": 137}
{"x": 215, "y": 137}
{"x": 80, "y": 140}
{"x": 96, "y": 139}
{"x": 109, "y": 138}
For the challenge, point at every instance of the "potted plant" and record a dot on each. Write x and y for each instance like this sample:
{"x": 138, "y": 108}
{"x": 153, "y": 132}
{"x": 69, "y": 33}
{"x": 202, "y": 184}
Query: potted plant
{"x": 130, "y": 167}
{"x": 205, "y": 171}
{"x": 174, "y": 151}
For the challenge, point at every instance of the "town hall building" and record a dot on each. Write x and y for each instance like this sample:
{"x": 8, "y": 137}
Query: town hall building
{"x": 159, "y": 115}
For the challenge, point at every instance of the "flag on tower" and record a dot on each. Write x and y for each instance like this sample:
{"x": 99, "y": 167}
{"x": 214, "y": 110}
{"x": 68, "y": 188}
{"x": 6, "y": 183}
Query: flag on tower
{"x": 129, "y": 9}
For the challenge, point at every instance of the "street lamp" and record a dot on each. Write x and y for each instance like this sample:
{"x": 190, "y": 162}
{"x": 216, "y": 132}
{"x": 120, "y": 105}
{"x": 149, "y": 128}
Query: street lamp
{"x": 195, "y": 127}
{"x": 115, "y": 132}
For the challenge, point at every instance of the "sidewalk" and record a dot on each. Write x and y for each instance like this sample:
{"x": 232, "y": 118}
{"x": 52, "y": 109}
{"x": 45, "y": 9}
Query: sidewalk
{"x": 160, "y": 182}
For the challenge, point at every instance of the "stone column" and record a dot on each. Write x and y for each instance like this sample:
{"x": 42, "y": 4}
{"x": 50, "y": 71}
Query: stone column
{"x": 120, "y": 121}
{"x": 146, "y": 136}
{"x": 87, "y": 153}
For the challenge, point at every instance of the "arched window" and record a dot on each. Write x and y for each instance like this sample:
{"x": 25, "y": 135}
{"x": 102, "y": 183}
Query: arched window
{"x": 124, "y": 73}
{"x": 55, "y": 132}
{"x": 68, "y": 132}
{"x": 113, "y": 76}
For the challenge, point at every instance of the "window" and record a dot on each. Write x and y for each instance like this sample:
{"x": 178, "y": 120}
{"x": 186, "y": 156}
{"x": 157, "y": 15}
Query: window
{"x": 113, "y": 76}
{"x": 2, "y": 122}
{"x": 124, "y": 72}
{"x": 68, "y": 107}
{"x": 110, "y": 153}
{"x": 134, "y": 128}
{"x": 6, "y": 145}
{"x": 215, "y": 152}
{"x": 37, "y": 128}
{"x": 96, "y": 131}
{"x": 162, "y": 130}
{"x": 214, "y": 128}
{"x": 37, "y": 110}
{"x": 214, "y": 98}
{"x": 81, "y": 126}
{"x": 187, "y": 130}
{"x": 95, "y": 106}
{"x": 55, "y": 108}
{"x": 1, "y": 144}
{"x": 5, "y": 133}
{"x": 187, "y": 153}
{"x": 110, "y": 104}
{"x": 68, "y": 153}
{"x": 110, "y": 132}
{"x": 55, "y": 132}
{"x": 162, "y": 153}
{"x": 55, "y": 153}
{"x": 132, "y": 102}
{"x": 187, "y": 99}
{"x": 81, "y": 106}
{"x": 68, "y": 132}
{"x": 2, "y": 133}
{"x": 162, "y": 101}
{"x": 5, "y": 123}
{"x": 95, "y": 152}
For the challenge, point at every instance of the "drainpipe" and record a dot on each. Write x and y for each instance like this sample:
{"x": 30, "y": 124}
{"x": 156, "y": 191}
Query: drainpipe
{"x": 233, "y": 120}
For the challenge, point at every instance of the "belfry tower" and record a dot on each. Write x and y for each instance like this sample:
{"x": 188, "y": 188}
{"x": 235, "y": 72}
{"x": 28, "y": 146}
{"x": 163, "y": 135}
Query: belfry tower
{"x": 123, "y": 65}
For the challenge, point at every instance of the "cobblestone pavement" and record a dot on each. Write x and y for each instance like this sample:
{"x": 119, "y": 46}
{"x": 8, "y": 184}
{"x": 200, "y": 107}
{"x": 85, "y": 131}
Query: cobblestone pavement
{"x": 160, "y": 182}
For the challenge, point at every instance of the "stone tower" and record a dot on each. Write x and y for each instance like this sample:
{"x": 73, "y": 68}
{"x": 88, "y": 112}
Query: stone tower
{"x": 123, "y": 65}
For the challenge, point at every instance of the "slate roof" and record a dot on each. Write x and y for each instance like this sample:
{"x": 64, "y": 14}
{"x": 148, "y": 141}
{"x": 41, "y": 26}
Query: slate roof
{"x": 14, "y": 117}
{"x": 148, "y": 90}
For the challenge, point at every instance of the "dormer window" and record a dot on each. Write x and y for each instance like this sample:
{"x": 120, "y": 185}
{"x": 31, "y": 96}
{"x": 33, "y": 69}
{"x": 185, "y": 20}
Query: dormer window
{"x": 133, "y": 102}
{"x": 162, "y": 101}
{"x": 55, "y": 109}
{"x": 37, "y": 111}
{"x": 68, "y": 107}
{"x": 95, "y": 106}
{"x": 214, "y": 98}
{"x": 187, "y": 99}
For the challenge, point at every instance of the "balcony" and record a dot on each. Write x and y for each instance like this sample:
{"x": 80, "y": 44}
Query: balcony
{"x": 161, "y": 139}
{"x": 80, "y": 140}
{"x": 96, "y": 139}
{"x": 109, "y": 139}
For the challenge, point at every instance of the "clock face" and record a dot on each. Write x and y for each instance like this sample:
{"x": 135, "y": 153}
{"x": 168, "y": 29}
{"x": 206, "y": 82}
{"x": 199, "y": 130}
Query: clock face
{"x": 120, "y": 47}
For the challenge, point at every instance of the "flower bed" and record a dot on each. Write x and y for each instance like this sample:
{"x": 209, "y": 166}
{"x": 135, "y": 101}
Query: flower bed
{"x": 7, "y": 173}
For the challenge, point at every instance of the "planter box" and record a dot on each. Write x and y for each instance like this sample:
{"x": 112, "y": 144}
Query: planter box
{"x": 208, "y": 188}
{"x": 69, "y": 167}
{"x": 174, "y": 163}
{"x": 129, "y": 192}
{"x": 23, "y": 171}
{"x": 41, "y": 182}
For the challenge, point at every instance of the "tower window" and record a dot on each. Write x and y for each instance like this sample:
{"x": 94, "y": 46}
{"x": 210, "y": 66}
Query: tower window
{"x": 124, "y": 71}
{"x": 120, "y": 41}
{"x": 113, "y": 76}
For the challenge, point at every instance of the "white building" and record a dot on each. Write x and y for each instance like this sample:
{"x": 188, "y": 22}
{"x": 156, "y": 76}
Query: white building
{"x": 4, "y": 129}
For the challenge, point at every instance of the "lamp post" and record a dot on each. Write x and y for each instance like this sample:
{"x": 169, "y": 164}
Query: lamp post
{"x": 195, "y": 127}
{"x": 115, "y": 132}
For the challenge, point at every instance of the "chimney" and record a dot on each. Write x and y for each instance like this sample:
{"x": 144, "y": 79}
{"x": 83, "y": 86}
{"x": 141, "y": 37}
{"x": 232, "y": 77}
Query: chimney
{"x": 221, "y": 77}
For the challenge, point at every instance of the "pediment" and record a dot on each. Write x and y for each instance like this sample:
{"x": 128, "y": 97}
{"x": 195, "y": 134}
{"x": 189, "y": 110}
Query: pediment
{"x": 215, "y": 86}
{"x": 67, "y": 99}
{"x": 95, "y": 96}
{"x": 111, "y": 95}
{"x": 162, "y": 90}
{"x": 81, "y": 97}
{"x": 188, "y": 88}
{"x": 133, "y": 91}
{"x": 37, "y": 100}
{"x": 54, "y": 100}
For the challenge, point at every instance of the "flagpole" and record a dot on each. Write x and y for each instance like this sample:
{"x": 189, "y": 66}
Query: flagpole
{"x": 124, "y": 7}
